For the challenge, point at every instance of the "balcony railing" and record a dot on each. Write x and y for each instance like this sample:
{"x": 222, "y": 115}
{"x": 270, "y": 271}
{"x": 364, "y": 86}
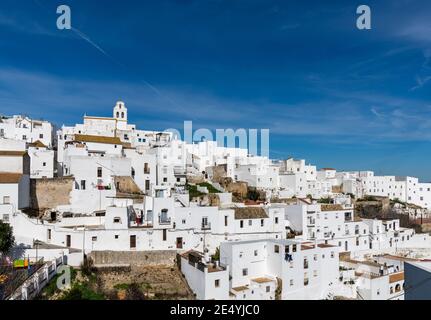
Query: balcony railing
{"x": 206, "y": 226}
{"x": 164, "y": 220}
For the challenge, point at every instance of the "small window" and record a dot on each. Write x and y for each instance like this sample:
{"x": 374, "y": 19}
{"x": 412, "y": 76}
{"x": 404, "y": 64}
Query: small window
{"x": 117, "y": 220}
{"x": 6, "y": 200}
{"x": 291, "y": 282}
{"x": 41, "y": 136}
{"x": 245, "y": 272}
{"x": 268, "y": 289}
{"x": 255, "y": 253}
{"x": 250, "y": 222}
{"x": 94, "y": 239}
{"x": 262, "y": 222}
{"x": 276, "y": 249}
{"x": 82, "y": 184}
{"x": 276, "y": 220}
{"x": 217, "y": 283}
{"x": 44, "y": 164}
{"x": 99, "y": 172}
{"x": 241, "y": 224}
{"x": 225, "y": 221}
{"x": 116, "y": 237}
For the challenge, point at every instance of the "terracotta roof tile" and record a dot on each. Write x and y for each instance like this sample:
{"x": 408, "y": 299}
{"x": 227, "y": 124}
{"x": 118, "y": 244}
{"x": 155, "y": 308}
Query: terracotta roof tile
{"x": 8, "y": 177}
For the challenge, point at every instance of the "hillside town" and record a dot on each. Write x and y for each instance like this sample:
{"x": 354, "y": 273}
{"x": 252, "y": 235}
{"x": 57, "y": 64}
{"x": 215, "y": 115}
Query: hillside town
{"x": 237, "y": 226}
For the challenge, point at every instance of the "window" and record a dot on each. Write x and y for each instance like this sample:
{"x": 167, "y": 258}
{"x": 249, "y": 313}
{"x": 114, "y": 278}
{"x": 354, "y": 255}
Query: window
{"x": 116, "y": 237}
{"x": 217, "y": 283}
{"x": 276, "y": 249}
{"x": 99, "y": 172}
{"x": 117, "y": 220}
{"x": 245, "y": 272}
{"x": 164, "y": 235}
{"x": 146, "y": 168}
{"x": 225, "y": 220}
{"x": 268, "y": 289}
{"x": 255, "y": 253}
{"x": 82, "y": 184}
{"x": 262, "y": 222}
{"x": 250, "y": 222}
{"x": 41, "y": 136}
{"x": 133, "y": 242}
{"x": 6, "y": 200}
{"x": 294, "y": 248}
{"x": 276, "y": 220}
{"x": 94, "y": 239}
{"x": 291, "y": 282}
{"x": 241, "y": 224}
{"x": 44, "y": 164}
{"x": 49, "y": 234}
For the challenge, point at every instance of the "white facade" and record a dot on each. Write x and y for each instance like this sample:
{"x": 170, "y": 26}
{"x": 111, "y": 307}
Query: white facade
{"x": 306, "y": 271}
{"x": 26, "y": 129}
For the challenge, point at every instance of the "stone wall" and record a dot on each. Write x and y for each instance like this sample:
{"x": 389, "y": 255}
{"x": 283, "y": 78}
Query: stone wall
{"x": 135, "y": 258}
{"x": 50, "y": 193}
{"x": 238, "y": 189}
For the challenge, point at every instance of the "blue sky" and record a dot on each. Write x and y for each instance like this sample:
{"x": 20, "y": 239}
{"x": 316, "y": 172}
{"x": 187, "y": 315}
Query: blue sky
{"x": 328, "y": 92}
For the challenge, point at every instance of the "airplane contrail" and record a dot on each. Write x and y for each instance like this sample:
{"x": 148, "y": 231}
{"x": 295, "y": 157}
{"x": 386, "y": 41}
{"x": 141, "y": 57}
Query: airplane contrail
{"x": 86, "y": 38}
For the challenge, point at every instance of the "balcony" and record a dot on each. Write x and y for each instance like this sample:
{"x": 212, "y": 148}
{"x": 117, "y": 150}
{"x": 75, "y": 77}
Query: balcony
{"x": 311, "y": 222}
{"x": 206, "y": 226}
{"x": 164, "y": 220}
{"x": 327, "y": 235}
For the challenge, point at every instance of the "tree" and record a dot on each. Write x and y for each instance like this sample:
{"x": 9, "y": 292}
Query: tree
{"x": 7, "y": 239}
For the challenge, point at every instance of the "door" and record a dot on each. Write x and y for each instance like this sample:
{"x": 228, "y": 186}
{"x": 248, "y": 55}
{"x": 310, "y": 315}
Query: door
{"x": 132, "y": 242}
{"x": 179, "y": 243}
{"x": 68, "y": 241}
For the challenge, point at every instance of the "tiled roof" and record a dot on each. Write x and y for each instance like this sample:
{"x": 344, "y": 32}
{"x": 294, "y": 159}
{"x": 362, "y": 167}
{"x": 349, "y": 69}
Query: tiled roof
{"x": 331, "y": 207}
{"x": 97, "y": 139}
{"x": 262, "y": 280}
{"x": 8, "y": 177}
{"x": 37, "y": 144}
{"x": 241, "y": 288}
{"x": 7, "y": 153}
{"x": 396, "y": 277}
{"x": 250, "y": 213}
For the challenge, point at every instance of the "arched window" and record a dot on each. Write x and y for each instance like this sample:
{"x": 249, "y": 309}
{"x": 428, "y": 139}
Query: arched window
{"x": 118, "y": 114}
{"x": 391, "y": 290}
{"x": 398, "y": 288}
{"x": 122, "y": 115}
